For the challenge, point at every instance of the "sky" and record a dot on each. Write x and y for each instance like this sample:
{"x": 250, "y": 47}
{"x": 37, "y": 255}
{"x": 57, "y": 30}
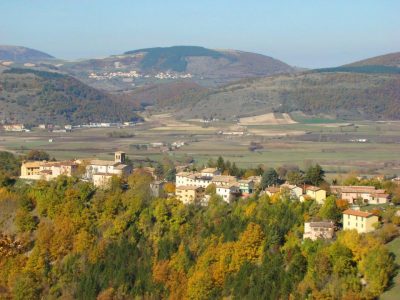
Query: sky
{"x": 304, "y": 33}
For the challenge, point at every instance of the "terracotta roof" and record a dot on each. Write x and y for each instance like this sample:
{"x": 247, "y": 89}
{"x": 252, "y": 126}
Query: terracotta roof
{"x": 224, "y": 178}
{"x": 183, "y": 174}
{"x": 245, "y": 181}
{"x": 358, "y": 213}
{"x": 120, "y": 166}
{"x": 272, "y": 189}
{"x": 323, "y": 224}
{"x": 209, "y": 170}
{"x": 381, "y": 195}
{"x": 187, "y": 187}
{"x": 32, "y": 164}
{"x": 312, "y": 188}
{"x": 290, "y": 186}
{"x": 99, "y": 162}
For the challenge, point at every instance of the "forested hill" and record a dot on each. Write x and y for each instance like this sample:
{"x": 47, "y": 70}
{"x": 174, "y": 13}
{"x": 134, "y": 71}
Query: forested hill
{"x": 343, "y": 95}
{"x": 391, "y": 60}
{"x": 31, "y": 96}
{"x": 207, "y": 67}
{"x": 64, "y": 239}
{"x": 22, "y": 54}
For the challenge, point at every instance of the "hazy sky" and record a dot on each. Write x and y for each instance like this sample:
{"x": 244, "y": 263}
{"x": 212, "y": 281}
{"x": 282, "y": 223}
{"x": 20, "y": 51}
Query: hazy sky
{"x": 307, "y": 33}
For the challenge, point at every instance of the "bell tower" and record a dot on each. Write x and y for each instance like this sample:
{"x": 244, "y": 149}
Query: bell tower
{"x": 119, "y": 157}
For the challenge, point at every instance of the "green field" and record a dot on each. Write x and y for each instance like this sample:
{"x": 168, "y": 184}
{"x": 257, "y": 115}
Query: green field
{"x": 394, "y": 292}
{"x": 296, "y": 144}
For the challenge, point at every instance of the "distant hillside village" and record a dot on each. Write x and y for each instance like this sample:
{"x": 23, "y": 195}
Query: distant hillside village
{"x": 198, "y": 187}
{"x": 19, "y": 127}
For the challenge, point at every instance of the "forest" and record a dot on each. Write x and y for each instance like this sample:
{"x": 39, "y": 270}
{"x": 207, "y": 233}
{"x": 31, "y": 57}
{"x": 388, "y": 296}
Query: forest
{"x": 64, "y": 239}
{"x": 36, "y": 97}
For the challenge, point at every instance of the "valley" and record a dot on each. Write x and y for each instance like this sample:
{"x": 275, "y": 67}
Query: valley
{"x": 366, "y": 146}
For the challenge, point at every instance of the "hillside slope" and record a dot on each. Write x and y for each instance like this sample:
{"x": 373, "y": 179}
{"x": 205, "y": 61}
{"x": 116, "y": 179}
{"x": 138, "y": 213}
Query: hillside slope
{"x": 31, "y": 96}
{"x": 341, "y": 95}
{"x": 390, "y": 60}
{"x": 163, "y": 95}
{"x": 22, "y": 54}
{"x": 204, "y": 66}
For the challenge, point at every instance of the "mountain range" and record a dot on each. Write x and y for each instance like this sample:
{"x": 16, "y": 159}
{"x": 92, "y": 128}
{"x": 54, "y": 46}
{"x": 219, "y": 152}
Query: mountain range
{"x": 192, "y": 82}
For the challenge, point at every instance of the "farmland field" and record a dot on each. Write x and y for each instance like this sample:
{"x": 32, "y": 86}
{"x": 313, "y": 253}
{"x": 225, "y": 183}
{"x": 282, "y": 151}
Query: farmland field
{"x": 339, "y": 147}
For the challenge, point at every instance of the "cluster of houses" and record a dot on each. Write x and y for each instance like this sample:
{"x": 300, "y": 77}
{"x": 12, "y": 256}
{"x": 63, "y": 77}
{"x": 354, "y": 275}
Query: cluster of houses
{"x": 17, "y": 127}
{"x": 301, "y": 193}
{"x": 190, "y": 186}
{"x": 362, "y": 221}
{"x": 133, "y": 74}
{"x": 100, "y": 172}
{"x": 14, "y": 127}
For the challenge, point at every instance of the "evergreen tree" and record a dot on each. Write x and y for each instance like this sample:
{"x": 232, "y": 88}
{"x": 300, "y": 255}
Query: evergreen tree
{"x": 170, "y": 175}
{"x": 270, "y": 177}
{"x": 315, "y": 175}
{"x": 220, "y": 164}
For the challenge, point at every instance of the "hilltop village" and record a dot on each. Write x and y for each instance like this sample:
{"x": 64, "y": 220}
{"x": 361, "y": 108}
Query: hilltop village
{"x": 198, "y": 187}
{"x": 201, "y": 224}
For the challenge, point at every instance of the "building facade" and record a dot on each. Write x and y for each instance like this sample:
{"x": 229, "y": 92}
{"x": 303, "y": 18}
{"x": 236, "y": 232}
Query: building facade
{"x": 361, "y": 221}
{"x": 319, "y": 230}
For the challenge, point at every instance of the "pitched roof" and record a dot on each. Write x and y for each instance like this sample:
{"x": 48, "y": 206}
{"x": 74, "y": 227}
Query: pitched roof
{"x": 290, "y": 186}
{"x": 312, "y": 188}
{"x": 188, "y": 187}
{"x": 323, "y": 224}
{"x": 224, "y": 178}
{"x": 358, "y": 213}
{"x": 99, "y": 162}
{"x": 272, "y": 189}
{"x": 209, "y": 170}
{"x": 33, "y": 164}
{"x": 183, "y": 174}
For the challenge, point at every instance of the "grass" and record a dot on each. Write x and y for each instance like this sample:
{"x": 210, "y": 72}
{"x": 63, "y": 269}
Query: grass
{"x": 394, "y": 292}
{"x": 335, "y": 156}
{"x": 300, "y": 118}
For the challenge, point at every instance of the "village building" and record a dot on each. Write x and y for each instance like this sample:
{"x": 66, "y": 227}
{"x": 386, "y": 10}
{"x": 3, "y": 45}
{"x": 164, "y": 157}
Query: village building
{"x": 272, "y": 190}
{"x": 367, "y": 194}
{"x": 319, "y": 230}
{"x": 315, "y": 193}
{"x": 294, "y": 190}
{"x": 14, "y": 127}
{"x": 100, "y": 172}
{"x": 157, "y": 188}
{"x": 210, "y": 172}
{"x": 192, "y": 179}
{"x": 256, "y": 180}
{"x": 43, "y": 170}
{"x": 190, "y": 194}
{"x": 246, "y": 186}
{"x": 396, "y": 180}
{"x": 223, "y": 180}
{"x": 228, "y": 193}
{"x": 102, "y": 180}
{"x": 359, "y": 220}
